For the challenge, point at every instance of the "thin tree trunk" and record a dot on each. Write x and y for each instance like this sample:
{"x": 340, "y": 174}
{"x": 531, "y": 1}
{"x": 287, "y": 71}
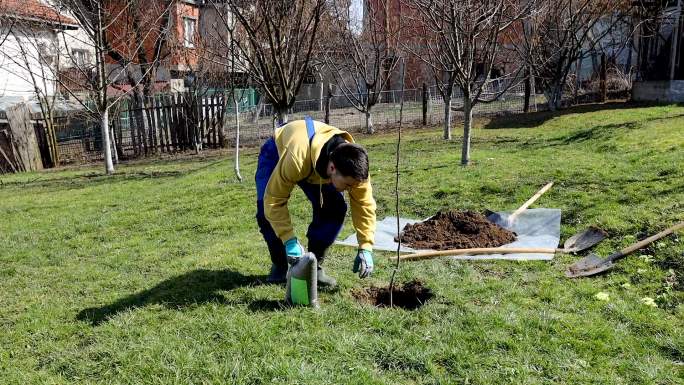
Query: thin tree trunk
{"x": 369, "y": 121}
{"x": 237, "y": 137}
{"x": 528, "y": 91}
{"x": 425, "y": 104}
{"x": 447, "y": 117}
{"x": 113, "y": 140}
{"x": 106, "y": 143}
{"x": 604, "y": 76}
{"x": 467, "y": 125}
{"x": 578, "y": 83}
{"x": 328, "y": 99}
{"x": 257, "y": 110}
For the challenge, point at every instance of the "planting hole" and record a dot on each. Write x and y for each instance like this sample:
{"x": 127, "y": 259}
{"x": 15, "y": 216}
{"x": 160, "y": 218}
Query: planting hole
{"x": 410, "y": 296}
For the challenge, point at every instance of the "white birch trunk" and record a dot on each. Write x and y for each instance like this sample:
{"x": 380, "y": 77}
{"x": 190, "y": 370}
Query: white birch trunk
{"x": 369, "y": 123}
{"x": 106, "y": 142}
{"x": 467, "y": 126}
{"x": 237, "y": 137}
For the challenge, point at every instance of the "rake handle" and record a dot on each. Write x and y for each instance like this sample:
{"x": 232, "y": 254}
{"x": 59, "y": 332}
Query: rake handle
{"x": 628, "y": 250}
{"x": 476, "y": 251}
{"x": 530, "y": 201}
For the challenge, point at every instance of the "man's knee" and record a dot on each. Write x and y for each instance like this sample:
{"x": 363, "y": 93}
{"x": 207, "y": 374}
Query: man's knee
{"x": 264, "y": 225}
{"x": 335, "y": 209}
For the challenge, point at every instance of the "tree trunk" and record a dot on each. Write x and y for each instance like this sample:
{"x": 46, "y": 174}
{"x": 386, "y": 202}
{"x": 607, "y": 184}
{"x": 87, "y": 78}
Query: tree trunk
{"x": 578, "y": 83}
{"x": 113, "y": 140}
{"x": 425, "y": 104}
{"x": 467, "y": 125}
{"x": 528, "y": 91}
{"x": 328, "y": 99}
{"x": 604, "y": 76}
{"x": 257, "y": 110}
{"x": 106, "y": 142}
{"x": 554, "y": 97}
{"x": 447, "y": 117}
{"x": 281, "y": 116}
{"x": 237, "y": 137}
{"x": 369, "y": 122}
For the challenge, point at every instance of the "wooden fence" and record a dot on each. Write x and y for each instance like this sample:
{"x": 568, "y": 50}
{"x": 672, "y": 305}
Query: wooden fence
{"x": 168, "y": 123}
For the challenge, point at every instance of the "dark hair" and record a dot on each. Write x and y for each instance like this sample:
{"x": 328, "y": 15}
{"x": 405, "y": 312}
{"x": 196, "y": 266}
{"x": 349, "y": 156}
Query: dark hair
{"x": 351, "y": 160}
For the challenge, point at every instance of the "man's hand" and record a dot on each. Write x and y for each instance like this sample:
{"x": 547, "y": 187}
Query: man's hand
{"x": 293, "y": 250}
{"x": 363, "y": 264}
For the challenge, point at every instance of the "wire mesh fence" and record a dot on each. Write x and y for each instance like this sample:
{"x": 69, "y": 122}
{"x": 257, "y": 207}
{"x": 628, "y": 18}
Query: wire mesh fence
{"x": 173, "y": 123}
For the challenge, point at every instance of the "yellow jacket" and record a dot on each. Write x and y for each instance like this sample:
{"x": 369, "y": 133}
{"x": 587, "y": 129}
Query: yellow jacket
{"x": 298, "y": 162}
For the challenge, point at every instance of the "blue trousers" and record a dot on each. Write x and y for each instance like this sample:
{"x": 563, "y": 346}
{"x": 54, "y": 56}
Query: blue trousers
{"x": 326, "y": 222}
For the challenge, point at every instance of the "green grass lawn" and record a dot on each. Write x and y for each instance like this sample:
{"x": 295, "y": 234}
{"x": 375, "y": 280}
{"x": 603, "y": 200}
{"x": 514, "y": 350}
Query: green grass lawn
{"x": 155, "y": 275}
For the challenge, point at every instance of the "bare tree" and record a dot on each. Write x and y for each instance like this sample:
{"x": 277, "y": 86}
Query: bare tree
{"x": 222, "y": 37}
{"x": 462, "y": 45}
{"x": 138, "y": 42}
{"x": 36, "y": 57}
{"x": 279, "y": 41}
{"x": 360, "y": 60}
{"x": 559, "y": 34}
{"x": 97, "y": 18}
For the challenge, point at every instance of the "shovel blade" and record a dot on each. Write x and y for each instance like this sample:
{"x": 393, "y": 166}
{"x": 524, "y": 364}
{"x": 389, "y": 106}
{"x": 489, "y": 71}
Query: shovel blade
{"x": 584, "y": 240}
{"x": 590, "y": 265}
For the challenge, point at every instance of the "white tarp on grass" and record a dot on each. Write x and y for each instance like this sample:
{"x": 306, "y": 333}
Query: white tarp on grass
{"x": 534, "y": 228}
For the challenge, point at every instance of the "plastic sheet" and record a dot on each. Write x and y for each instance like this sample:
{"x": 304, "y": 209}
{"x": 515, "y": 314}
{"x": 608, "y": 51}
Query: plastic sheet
{"x": 534, "y": 228}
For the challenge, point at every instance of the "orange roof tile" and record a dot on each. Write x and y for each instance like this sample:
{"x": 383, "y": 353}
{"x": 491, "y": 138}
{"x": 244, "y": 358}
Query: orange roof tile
{"x": 34, "y": 10}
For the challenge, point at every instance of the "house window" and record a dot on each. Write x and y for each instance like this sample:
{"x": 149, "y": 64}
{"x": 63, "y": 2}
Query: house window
{"x": 80, "y": 57}
{"x": 189, "y": 32}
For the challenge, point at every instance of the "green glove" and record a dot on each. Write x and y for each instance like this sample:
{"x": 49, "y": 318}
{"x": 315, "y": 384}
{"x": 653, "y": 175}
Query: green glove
{"x": 363, "y": 264}
{"x": 293, "y": 250}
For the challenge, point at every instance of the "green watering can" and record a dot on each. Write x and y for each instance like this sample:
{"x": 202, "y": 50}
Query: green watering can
{"x": 302, "y": 277}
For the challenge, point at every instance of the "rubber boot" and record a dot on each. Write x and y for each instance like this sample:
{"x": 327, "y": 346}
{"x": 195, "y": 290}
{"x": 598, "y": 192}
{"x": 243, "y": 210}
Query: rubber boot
{"x": 319, "y": 251}
{"x": 278, "y": 263}
{"x": 277, "y": 275}
{"x": 324, "y": 280}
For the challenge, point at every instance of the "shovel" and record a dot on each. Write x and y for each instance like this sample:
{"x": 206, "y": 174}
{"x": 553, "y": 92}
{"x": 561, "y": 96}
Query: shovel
{"x": 593, "y": 264}
{"x": 578, "y": 242}
{"x": 496, "y": 218}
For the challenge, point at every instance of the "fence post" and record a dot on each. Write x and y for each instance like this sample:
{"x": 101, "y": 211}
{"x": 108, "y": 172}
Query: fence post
{"x": 328, "y": 98}
{"x": 221, "y": 110}
{"x": 425, "y": 104}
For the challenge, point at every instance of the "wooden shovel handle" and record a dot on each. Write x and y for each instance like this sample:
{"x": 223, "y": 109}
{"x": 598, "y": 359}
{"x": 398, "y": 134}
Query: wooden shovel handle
{"x": 627, "y": 250}
{"x": 476, "y": 251}
{"x": 530, "y": 201}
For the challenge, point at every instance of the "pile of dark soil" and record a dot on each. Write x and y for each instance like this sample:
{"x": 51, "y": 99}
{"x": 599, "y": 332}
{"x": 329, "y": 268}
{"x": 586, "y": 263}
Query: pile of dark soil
{"x": 411, "y": 295}
{"x": 455, "y": 230}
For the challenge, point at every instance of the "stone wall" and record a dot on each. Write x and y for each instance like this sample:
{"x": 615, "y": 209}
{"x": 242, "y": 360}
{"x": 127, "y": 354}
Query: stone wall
{"x": 659, "y": 91}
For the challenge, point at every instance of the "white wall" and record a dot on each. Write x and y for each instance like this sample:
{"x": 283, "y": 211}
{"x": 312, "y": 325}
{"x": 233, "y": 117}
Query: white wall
{"x": 71, "y": 39}
{"x": 16, "y": 68}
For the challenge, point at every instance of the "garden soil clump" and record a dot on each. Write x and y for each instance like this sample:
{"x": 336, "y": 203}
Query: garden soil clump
{"x": 455, "y": 230}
